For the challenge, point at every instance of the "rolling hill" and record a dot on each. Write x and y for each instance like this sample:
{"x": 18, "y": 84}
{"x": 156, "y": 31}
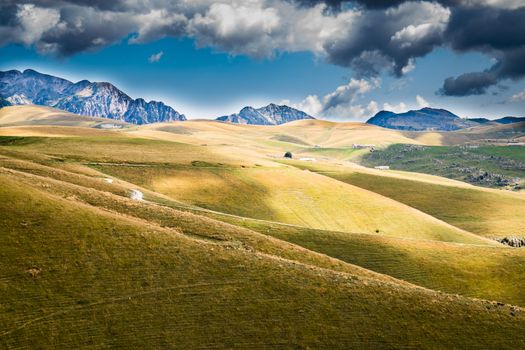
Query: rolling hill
{"x": 483, "y": 211}
{"x": 234, "y": 247}
{"x": 117, "y": 274}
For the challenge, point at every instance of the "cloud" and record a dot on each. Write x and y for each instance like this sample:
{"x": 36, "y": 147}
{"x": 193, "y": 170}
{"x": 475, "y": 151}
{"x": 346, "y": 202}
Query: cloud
{"x": 520, "y": 96}
{"x": 466, "y": 84}
{"x": 421, "y": 102}
{"x": 263, "y": 28}
{"x": 257, "y": 28}
{"x": 389, "y": 39}
{"x": 155, "y": 57}
{"x": 409, "y": 67}
{"x": 499, "y": 33}
{"x": 233, "y": 27}
{"x": 401, "y": 107}
{"x": 375, "y": 4}
{"x": 158, "y": 23}
{"x": 342, "y": 103}
{"x": 35, "y": 21}
{"x": 368, "y": 36}
{"x": 345, "y": 102}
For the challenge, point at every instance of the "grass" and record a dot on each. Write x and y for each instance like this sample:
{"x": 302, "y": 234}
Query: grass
{"x": 290, "y": 196}
{"x": 83, "y": 266}
{"x": 39, "y": 115}
{"x": 491, "y": 166}
{"x": 289, "y": 139}
{"x": 111, "y": 148}
{"x": 486, "y": 213}
{"x": 106, "y": 279}
{"x": 476, "y": 271}
{"x": 336, "y": 153}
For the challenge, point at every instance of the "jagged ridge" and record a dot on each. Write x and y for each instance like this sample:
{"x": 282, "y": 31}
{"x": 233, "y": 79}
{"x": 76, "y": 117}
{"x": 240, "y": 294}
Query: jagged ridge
{"x": 269, "y": 115}
{"x": 96, "y": 99}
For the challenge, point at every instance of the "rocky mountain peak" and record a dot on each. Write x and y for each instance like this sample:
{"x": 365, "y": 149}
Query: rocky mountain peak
{"x": 271, "y": 114}
{"x": 98, "y": 99}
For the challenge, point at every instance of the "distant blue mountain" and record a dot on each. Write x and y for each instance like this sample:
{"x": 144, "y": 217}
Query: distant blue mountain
{"x": 269, "y": 115}
{"x": 481, "y": 120}
{"x": 510, "y": 120}
{"x": 421, "y": 120}
{"x": 4, "y": 103}
{"x": 83, "y": 98}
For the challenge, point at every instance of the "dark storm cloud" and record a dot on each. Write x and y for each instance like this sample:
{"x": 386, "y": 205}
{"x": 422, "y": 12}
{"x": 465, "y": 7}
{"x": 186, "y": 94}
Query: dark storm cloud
{"x": 469, "y": 84}
{"x": 329, "y": 3}
{"x": 85, "y": 29}
{"x": 65, "y": 28}
{"x": 389, "y": 39}
{"x": 499, "y": 33}
{"x": 371, "y": 4}
{"x": 8, "y": 14}
{"x": 98, "y": 4}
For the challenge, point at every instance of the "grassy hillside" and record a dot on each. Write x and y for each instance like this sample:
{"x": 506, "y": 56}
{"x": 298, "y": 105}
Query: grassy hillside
{"x": 493, "y": 273}
{"x": 290, "y": 196}
{"x": 197, "y": 176}
{"x": 440, "y": 267}
{"x": 488, "y": 213}
{"x": 231, "y": 248}
{"x": 81, "y": 277}
{"x": 112, "y": 148}
{"x": 396, "y": 258}
{"x": 485, "y": 213}
{"x": 39, "y": 115}
{"x": 491, "y": 166}
{"x": 477, "y": 271}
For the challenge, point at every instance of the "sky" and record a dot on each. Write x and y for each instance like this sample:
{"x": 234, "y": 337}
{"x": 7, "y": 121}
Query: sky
{"x": 337, "y": 60}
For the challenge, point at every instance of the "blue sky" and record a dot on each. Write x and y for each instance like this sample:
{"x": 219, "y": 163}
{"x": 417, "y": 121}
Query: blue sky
{"x": 218, "y": 77}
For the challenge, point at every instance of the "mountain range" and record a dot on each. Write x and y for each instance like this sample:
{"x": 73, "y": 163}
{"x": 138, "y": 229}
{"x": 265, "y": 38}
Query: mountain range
{"x": 432, "y": 119}
{"x": 102, "y": 99}
{"x": 421, "y": 120}
{"x": 271, "y": 114}
{"x": 97, "y": 99}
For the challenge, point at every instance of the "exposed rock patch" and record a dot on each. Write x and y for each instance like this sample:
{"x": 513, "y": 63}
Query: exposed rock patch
{"x": 512, "y": 241}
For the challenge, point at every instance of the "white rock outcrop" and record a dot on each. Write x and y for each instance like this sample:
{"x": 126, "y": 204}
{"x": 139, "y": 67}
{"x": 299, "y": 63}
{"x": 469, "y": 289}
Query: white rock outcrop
{"x": 136, "y": 195}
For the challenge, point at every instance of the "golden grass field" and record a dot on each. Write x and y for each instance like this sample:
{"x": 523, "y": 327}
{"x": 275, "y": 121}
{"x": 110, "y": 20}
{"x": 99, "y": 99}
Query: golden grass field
{"x": 233, "y": 247}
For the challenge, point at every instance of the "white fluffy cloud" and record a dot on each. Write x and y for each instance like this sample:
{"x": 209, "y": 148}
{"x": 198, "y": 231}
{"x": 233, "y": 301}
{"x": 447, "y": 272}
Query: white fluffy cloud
{"x": 158, "y": 23}
{"x": 35, "y": 21}
{"x": 421, "y": 102}
{"x": 232, "y": 27}
{"x": 260, "y": 28}
{"x": 343, "y": 102}
{"x": 502, "y": 4}
{"x": 520, "y": 96}
{"x": 396, "y": 108}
